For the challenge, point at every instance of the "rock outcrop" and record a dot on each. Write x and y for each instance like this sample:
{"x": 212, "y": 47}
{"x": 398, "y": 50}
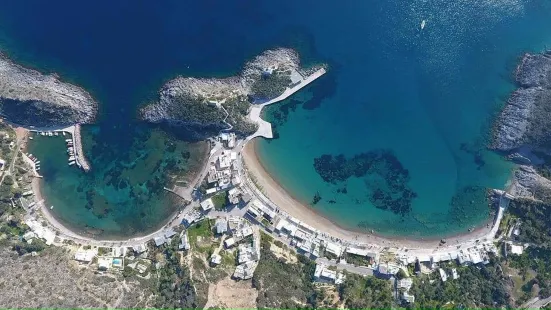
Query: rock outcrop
{"x": 527, "y": 183}
{"x": 204, "y": 106}
{"x": 526, "y": 118}
{"x": 28, "y": 97}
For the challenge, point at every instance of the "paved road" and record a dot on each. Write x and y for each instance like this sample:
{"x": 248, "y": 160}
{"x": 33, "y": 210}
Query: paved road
{"x": 361, "y": 270}
{"x": 536, "y": 303}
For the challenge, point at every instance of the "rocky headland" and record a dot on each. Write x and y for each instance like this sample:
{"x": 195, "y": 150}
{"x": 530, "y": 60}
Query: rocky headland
{"x": 523, "y": 130}
{"x": 526, "y": 117}
{"x": 30, "y": 98}
{"x": 204, "y": 106}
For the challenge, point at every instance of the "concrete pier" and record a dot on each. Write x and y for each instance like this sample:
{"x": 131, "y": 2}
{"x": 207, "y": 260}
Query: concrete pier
{"x": 79, "y": 153}
{"x": 264, "y": 127}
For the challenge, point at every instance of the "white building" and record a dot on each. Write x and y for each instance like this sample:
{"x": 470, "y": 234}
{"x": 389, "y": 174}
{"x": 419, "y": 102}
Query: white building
{"x": 207, "y": 204}
{"x": 455, "y": 275}
{"x": 245, "y": 271}
{"x": 228, "y": 243}
{"x": 516, "y": 249}
{"x": 215, "y": 259}
{"x": 443, "y": 275}
{"x": 159, "y": 240}
{"x": 85, "y": 256}
{"x": 104, "y": 263}
{"x": 325, "y": 275}
{"x": 140, "y": 248}
{"x": 408, "y": 298}
{"x": 184, "y": 242}
{"x": 221, "y": 226}
{"x": 405, "y": 283}
{"x": 333, "y": 248}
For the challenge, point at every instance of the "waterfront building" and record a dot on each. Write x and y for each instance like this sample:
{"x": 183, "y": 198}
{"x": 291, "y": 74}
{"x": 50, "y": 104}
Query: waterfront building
{"x": 140, "y": 248}
{"x": 159, "y": 240}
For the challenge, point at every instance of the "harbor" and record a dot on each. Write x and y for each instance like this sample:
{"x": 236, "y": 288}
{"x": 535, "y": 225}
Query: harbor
{"x": 73, "y": 143}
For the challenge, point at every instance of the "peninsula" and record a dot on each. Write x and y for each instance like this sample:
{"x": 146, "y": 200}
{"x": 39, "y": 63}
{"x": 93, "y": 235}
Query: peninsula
{"x": 205, "y": 106}
{"x": 30, "y": 98}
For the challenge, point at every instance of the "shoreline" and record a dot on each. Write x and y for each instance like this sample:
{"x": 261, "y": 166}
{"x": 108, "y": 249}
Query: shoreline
{"x": 78, "y": 235}
{"x": 280, "y": 197}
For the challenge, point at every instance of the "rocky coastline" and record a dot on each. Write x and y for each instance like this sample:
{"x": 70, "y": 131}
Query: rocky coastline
{"x": 523, "y": 130}
{"x": 205, "y": 106}
{"x": 30, "y": 98}
{"x": 526, "y": 117}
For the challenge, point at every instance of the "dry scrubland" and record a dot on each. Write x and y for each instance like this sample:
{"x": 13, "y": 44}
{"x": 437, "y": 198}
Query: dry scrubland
{"x": 52, "y": 279}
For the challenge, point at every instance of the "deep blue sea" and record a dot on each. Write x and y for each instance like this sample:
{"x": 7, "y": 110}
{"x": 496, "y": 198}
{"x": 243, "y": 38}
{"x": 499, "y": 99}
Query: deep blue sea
{"x": 421, "y": 100}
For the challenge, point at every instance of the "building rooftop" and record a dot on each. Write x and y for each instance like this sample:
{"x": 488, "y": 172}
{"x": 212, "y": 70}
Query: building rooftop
{"x": 140, "y": 248}
{"x": 405, "y": 283}
{"x": 443, "y": 275}
{"x": 85, "y": 256}
{"x": 221, "y": 226}
{"x": 333, "y": 248}
{"x": 159, "y": 240}
{"x": 229, "y": 242}
{"x": 184, "y": 242}
{"x": 207, "y": 204}
{"x": 516, "y": 249}
{"x": 455, "y": 275}
{"x": 216, "y": 259}
{"x": 169, "y": 232}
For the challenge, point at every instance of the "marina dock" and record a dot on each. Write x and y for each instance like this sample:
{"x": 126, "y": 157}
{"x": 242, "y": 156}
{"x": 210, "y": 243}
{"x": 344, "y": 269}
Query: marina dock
{"x": 74, "y": 144}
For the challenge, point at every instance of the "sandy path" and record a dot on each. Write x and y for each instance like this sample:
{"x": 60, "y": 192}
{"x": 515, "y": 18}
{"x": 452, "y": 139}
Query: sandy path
{"x": 305, "y": 213}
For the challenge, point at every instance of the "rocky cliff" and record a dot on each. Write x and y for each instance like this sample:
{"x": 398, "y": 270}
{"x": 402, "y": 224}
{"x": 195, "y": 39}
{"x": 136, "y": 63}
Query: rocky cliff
{"x": 204, "y": 106}
{"x": 526, "y": 118}
{"x": 523, "y": 130}
{"x": 28, "y": 97}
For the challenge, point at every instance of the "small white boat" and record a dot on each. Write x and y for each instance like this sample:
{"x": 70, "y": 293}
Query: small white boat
{"x": 30, "y": 138}
{"x": 71, "y": 158}
{"x": 55, "y": 133}
{"x": 51, "y": 207}
{"x": 63, "y": 132}
{"x": 68, "y": 140}
{"x": 71, "y": 163}
{"x": 42, "y": 133}
{"x": 423, "y": 24}
{"x": 37, "y": 162}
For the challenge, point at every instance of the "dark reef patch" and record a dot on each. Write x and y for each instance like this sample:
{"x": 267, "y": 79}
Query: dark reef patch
{"x": 476, "y": 152}
{"x": 385, "y": 178}
{"x": 463, "y": 206}
{"x": 323, "y": 89}
{"x": 280, "y": 115}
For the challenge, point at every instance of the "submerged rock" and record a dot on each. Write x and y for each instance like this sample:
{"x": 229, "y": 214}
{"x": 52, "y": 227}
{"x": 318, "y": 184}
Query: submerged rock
{"x": 28, "y": 97}
{"x": 204, "y": 106}
{"x": 526, "y": 118}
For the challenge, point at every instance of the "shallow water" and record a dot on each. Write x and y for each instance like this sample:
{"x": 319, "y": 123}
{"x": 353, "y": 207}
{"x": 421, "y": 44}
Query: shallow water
{"x": 425, "y": 96}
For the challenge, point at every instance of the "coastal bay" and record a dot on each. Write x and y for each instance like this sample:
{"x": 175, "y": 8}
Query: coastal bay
{"x": 419, "y": 102}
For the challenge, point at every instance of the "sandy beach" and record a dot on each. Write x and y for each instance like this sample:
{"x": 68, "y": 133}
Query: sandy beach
{"x": 307, "y": 215}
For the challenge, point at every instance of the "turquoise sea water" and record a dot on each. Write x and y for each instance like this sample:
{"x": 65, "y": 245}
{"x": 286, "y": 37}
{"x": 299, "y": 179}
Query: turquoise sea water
{"x": 423, "y": 98}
